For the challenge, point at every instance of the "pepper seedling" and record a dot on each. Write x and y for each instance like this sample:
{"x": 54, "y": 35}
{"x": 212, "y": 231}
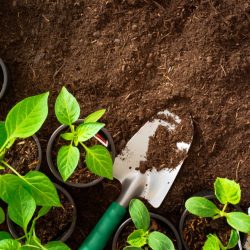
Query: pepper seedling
{"x": 227, "y": 192}
{"x": 213, "y": 242}
{"x": 21, "y": 210}
{"x": 98, "y": 158}
{"x": 143, "y": 237}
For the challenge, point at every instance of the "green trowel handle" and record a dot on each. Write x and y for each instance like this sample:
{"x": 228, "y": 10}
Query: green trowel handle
{"x": 105, "y": 227}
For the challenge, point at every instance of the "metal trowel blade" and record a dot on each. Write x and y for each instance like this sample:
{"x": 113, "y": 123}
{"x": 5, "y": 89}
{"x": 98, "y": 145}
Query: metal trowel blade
{"x": 152, "y": 185}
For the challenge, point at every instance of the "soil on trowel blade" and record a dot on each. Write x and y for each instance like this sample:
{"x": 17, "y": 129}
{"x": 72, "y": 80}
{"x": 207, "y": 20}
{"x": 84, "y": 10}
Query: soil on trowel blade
{"x": 163, "y": 151}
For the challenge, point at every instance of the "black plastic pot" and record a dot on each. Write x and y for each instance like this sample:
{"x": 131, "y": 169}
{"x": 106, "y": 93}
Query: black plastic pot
{"x": 3, "y": 77}
{"x": 154, "y": 216}
{"x": 209, "y": 195}
{"x": 12, "y": 226}
{"x": 103, "y": 132}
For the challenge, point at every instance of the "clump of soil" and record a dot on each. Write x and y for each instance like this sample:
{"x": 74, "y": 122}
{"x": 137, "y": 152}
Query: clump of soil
{"x": 156, "y": 225}
{"x": 23, "y": 156}
{"x": 162, "y": 149}
{"x": 81, "y": 173}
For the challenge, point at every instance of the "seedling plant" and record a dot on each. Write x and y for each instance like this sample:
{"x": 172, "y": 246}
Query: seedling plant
{"x": 142, "y": 237}
{"x": 227, "y": 192}
{"x": 98, "y": 159}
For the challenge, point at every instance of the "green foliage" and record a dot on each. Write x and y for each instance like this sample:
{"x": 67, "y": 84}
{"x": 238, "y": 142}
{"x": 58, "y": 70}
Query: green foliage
{"x": 56, "y": 245}
{"x": 98, "y": 158}
{"x": 227, "y": 192}
{"x": 2, "y": 216}
{"x": 5, "y": 235}
{"x": 213, "y": 242}
{"x": 9, "y": 244}
{"x": 3, "y": 134}
{"x": 142, "y": 236}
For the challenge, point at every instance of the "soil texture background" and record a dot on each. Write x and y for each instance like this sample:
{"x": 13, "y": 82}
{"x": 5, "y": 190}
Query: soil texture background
{"x": 135, "y": 58}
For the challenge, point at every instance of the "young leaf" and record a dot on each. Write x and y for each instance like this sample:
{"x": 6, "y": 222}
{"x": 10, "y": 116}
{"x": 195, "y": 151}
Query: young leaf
{"x": 27, "y": 116}
{"x": 9, "y": 183}
{"x": 67, "y": 108}
{"x": 201, "y": 206}
{"x": 85, "y": 131}
{"x": 2, "y": 216}
{"x": 212, "y": 243}
{"x": 159, "y": 241}
{"x": 137, "y": 238}
{"x": 239, "y": 221}
{"x": 9, "y": 244}
{"x": 42, "y": 189}
{"x": 227, "y": 191}
{"x": 233, "y": 240}
{"x": 67, "y": 160}
{"x": 5, "y": 235}
{"x": 56, "y": 245}
{"x": 43, "y": 211}
{"x": 99, "y": 161}
{"x": 21, "y": 208}
{"x": 139, "y": 214}
{"x": 94, "y": 117}
{"x": 3, "y": 134}
{"x": 67, "y": 136}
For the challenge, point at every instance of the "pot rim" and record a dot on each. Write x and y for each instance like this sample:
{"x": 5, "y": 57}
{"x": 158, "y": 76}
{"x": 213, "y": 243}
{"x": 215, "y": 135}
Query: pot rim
{"x": 206, "y": 194}
{"x": 65, "y": 236}
{"x": 53, "y": 167}
{"x": 5, "y": 78}
{"x": 155, "y": 216}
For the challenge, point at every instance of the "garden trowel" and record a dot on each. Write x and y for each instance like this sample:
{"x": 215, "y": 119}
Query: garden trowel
{"x": 152, "y": 185}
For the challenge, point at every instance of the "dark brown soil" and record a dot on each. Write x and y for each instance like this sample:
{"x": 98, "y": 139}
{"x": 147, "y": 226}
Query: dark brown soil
{"x": 135, "y": 58}
{"x": 23, "y": 156}
{"x": 81, "y": 173}
{"x": 162, "y": 149}
{"x": 155, "y": 226}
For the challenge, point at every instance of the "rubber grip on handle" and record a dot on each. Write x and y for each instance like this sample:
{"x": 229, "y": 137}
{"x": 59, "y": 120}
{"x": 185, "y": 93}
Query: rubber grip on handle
{"x": 99, "y": 236}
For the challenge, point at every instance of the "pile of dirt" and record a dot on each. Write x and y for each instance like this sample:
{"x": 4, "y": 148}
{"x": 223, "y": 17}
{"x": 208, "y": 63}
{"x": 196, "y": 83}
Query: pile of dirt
{"x": 135, "y": 58}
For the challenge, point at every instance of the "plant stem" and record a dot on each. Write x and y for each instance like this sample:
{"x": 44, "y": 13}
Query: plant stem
{"x": 72, "y": 128}
{"x": 4, "y": 145}
{"x": 84, "y": 146}
{"x": 224, "y": 208}
{"x": 216, "y": 217}
{"x": 12, "y": 169}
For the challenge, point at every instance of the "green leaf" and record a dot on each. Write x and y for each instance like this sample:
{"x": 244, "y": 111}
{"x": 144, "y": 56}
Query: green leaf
{"x": 137, "y": 238}
{"x": 2, "y": 216}
{"x": 132, "y": 248}
{"x": 99, "y": 161}
{"x": 9, "y": 183}
{"x": 67, "y": 108}
{"x": 5, "y": 235}
{"x": 201, "y": 206}
{"x": 3, "y": 134}
{"x": 56, "y": 245}
{"x": 95, "y": 116}
{"x": 212, "y": 243}
{"x": 159, "y": 241}
{"x": 67, "y": 136}
{"x": 227, "y": 191}
{"x": 9, "y": 244}
{"x": 139, "y": 214}
{"x": 42, "y": 189}
{"x": 67, "y": 160}
{"x": 27, "y": 116}
{"x": 43, "y": 211}
{"x": 21, "y": 208}
{"x": 239, "y": 221}
{"x": 86, "y": 131}
{"x": 233, "y": 240}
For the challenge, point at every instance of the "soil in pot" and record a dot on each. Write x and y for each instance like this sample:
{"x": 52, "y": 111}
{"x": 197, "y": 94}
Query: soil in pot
{"x": 196, "y": 229}
{"x": 57, "y": 221}
{"x": 156, "y": 225}
{"x": 23, "y": 156}
{"x": 81, "y": 173}
{"x": 162, "y": 149}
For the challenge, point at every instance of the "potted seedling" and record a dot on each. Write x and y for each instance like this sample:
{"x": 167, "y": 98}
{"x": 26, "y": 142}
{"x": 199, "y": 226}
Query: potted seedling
{"x": 80, "y": 149}
{"x": 17, "y": 146}
{"x": 22, "y": 211}
{"x": 144, "y": 231}
{"x": 3, "y": 78}
{"x": 57, "y": 224}
{"x": 214, "y": 220}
